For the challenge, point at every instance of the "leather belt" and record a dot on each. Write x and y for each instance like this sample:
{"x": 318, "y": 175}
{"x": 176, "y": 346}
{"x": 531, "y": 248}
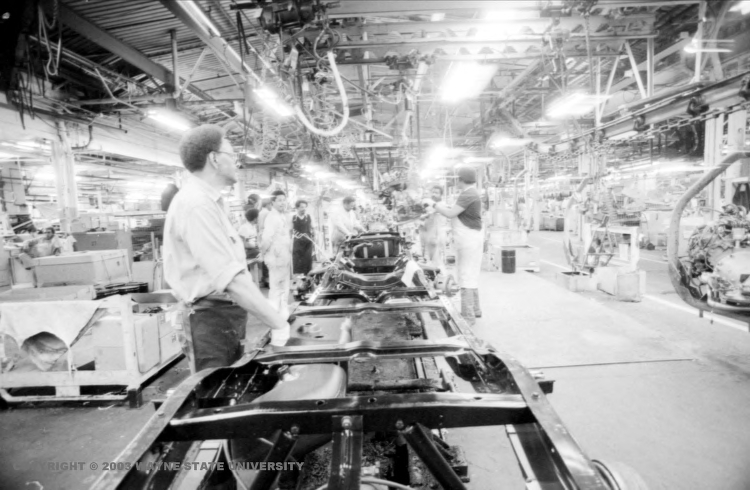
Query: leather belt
{"x": 212, "y": 302}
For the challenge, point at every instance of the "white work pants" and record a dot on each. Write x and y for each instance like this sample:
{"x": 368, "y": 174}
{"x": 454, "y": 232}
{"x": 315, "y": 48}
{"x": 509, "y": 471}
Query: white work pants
{"x": 469, "y": 246}
{"x": 279, "y": 283}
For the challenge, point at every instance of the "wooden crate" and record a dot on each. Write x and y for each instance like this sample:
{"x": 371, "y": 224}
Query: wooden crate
{"x": 125, "y": 354}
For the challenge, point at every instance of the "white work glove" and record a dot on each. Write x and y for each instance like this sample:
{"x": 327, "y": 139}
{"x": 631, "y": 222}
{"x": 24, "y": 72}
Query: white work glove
{"x": 280, "y": 336}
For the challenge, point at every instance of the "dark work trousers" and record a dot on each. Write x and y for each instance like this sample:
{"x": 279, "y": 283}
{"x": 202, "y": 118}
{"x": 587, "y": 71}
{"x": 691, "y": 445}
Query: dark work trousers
{"x": 302, "y": 256}
{"x": 215, "y": 333}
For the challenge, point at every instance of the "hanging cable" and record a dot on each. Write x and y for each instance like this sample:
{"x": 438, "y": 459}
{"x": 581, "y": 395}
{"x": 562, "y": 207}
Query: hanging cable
{"x": 53, "y": 62}
{"x": 344, "y": 102}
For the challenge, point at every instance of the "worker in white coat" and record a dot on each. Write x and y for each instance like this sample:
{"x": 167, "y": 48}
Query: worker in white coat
{"x": 344, "y": 222}
{"x": 468, "y": 238}
{"x": 431, "y": 233}
{"x": 276, "y": 247}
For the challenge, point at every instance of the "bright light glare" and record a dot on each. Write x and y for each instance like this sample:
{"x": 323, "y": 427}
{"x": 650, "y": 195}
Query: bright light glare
{"x": 272, "y": 100}
{"x": 251, "y": 155}
{"x": 439, "y": 155}
{"x": 169, "y": 120}
{"x": 466, "y": 80}
{"x": 437, "y": 16}
{"x": 742, "y": 7}
{"x": 574, "y": 105}
{"x": 504, "y": 142}
{"x": 694, "y": 47}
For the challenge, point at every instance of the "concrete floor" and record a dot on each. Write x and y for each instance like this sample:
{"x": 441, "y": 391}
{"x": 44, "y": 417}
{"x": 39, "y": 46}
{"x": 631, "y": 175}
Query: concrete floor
{"x": 648, "y": 384}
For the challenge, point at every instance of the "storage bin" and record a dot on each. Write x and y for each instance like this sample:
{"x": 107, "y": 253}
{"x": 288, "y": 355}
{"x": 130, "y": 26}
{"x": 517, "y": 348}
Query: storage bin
{"x": 100, "y": 267}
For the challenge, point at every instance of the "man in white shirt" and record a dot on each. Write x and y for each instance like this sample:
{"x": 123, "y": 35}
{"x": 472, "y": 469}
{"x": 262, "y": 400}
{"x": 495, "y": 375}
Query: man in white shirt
{"x": 264, "y": 210}
{"x": 432, "y": 234}
{"x": 276, "y": 247}
{"x": 204, "y": 257}
{"x": 344, "y": 222}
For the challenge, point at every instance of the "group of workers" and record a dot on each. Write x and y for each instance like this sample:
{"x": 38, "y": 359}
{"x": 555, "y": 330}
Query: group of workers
{"x": 205, "y": 258}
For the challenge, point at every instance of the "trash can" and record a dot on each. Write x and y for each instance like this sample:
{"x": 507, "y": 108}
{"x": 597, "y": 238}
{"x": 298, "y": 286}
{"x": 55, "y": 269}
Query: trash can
{"x": 508, "y": 261}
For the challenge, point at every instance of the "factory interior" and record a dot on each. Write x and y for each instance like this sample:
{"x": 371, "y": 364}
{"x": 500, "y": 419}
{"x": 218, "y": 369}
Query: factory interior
{"x": 393, "y": 244}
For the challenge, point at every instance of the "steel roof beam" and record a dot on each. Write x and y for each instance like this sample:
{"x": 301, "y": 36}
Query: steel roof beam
{"x": 131, "y": 55}
{"x": 217, "y": 44}
{"x": 539, "y": 25}
{"x": 353, "y": 8}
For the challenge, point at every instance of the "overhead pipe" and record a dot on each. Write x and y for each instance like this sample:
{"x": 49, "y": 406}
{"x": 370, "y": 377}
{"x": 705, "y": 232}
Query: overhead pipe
{"x": 733, "y": 90}
{"x": 677, "y": 272}
{"x": 344, "y": 102}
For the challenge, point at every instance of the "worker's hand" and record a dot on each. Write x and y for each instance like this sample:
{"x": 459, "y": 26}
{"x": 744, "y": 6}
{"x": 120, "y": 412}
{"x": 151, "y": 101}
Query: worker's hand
{"x": 428, "y": 205}
{"x": 280, "y": 336}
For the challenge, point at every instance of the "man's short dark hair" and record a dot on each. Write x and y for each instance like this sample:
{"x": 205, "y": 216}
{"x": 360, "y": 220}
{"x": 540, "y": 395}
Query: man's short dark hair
{"x": 299, "y": 203}
{"x": 197, "y": 143}
{"x": 253, "y": 199}
{"x": 49, "y": 229}
{"x": 467, "y": 175}
{"x": 349, "y": 199}
{"x": 276, "y": 194}
{"x": 251, "y": 215}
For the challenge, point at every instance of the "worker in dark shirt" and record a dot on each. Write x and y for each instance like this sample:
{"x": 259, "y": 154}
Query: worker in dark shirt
{"x": 468, "y": 239}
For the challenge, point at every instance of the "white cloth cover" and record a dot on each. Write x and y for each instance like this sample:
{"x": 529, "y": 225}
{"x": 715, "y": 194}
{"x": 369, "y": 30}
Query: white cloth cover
{"x": 63, "y": 319}
{"x": 469, "y": 245}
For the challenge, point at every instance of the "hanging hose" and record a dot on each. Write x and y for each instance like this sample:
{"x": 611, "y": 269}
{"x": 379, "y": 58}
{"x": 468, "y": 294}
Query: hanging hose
{"x": 344, "y": 102}
{"x": 53, "y": 63}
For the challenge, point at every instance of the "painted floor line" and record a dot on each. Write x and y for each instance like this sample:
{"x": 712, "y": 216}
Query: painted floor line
{"x": 548, "y": 239}
{"x": 553, "y": 264}
{"x": 686, "y": 309}
{"x": 693, "y": 311}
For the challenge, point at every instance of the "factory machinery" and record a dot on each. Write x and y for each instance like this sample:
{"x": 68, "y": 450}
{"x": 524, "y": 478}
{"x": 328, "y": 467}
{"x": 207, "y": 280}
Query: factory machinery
{"x": 374, "y": 267}
{"x": 361, "y": 397}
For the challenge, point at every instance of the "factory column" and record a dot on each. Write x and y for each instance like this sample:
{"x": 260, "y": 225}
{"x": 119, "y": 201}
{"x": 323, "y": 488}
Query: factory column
{"x": 64, "y": 164}
{"x": 738, "y": 175}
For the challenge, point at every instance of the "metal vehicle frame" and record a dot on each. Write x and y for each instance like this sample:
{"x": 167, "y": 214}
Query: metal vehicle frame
{"x": 504, "y": 394}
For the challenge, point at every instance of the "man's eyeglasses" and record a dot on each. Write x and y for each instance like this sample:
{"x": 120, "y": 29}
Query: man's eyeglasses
{"x": 236, "y": 156}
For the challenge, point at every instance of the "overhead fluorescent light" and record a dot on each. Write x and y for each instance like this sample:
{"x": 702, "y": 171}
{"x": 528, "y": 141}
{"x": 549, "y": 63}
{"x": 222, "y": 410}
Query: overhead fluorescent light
{"x": 466, "y": 80}
{"x": 742, "y": 7}
{"x": 574, "y": 105}
{"x": 505, "y": 142}
{"x": 198, "y": 14}
{"x": 437, "y": 16}
{"x": 170, "y": 120}
{"x": 694, "y": 47}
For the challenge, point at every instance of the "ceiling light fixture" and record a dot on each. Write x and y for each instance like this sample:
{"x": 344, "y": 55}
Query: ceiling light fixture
{"x": 207, "y": 24}
{"x": 574, "y": 105}
{"x": 466, "y": 80}
{"x": 742, "y": 7}
{"x": 170, "y": 120}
